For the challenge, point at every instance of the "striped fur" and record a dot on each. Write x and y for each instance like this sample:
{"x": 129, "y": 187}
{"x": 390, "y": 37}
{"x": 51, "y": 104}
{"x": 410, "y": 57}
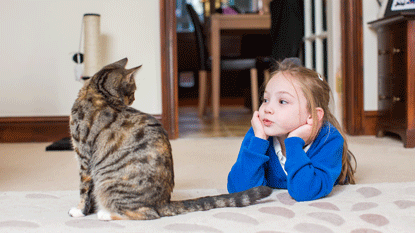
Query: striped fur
{"x": 125, "y": 157}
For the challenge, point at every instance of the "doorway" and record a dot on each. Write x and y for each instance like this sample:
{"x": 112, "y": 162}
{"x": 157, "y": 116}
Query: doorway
{"x": 235, "y": 91}
{"x": 170, "y": 112}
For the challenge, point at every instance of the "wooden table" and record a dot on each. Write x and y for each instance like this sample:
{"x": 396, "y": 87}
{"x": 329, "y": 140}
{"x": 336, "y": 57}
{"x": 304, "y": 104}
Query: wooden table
{"x": 220, "y": 22}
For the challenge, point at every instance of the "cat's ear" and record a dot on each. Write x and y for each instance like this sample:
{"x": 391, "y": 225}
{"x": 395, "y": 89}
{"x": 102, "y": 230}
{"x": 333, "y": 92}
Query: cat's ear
{"x": 122, "y": 62}
{"x": 131, "y": 72}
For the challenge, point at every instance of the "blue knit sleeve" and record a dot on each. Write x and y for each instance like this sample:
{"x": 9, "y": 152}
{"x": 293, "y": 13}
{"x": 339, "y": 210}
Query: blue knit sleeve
{"x": 248, "y": 170}
{"x": 313, "y": 175}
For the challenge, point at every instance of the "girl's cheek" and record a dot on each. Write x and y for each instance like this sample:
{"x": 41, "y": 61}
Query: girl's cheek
{"x": 261, "y": 110}
{"x": 261, "y": 115}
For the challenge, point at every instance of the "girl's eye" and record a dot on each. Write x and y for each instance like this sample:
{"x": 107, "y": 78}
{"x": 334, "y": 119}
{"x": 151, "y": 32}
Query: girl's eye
{"x": 283, "y": 102}
{"x": 265, "y": 100}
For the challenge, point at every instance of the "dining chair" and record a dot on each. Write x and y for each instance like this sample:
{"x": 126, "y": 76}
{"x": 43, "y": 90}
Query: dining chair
{"x": 205, "y": 64}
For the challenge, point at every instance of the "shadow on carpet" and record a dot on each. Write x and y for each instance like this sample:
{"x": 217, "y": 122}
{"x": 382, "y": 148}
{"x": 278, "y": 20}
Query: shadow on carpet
{"x": 64, "y": 144}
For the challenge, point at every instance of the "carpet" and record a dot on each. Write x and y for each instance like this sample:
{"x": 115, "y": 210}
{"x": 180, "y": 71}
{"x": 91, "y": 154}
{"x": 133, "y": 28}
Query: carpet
{"x": 380, "y": 207}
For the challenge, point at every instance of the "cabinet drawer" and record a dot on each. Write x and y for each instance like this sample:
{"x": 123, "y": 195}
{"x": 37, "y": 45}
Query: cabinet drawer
{"x": 392, "y": 71}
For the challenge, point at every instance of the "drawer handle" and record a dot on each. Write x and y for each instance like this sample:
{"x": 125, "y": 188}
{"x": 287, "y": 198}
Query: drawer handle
{"x": 393, "y": 50}
{"x": 394, "y": 98}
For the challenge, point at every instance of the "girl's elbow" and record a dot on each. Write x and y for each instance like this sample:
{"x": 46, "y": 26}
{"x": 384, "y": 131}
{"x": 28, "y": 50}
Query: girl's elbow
{"x": 300, "y": 197}
{"x": 303, "y": 194}
{"x": 231, "y": 188}
{"x": 235, "y": 185}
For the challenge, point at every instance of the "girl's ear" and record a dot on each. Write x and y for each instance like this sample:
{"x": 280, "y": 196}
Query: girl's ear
{"x": 320, "y": 115}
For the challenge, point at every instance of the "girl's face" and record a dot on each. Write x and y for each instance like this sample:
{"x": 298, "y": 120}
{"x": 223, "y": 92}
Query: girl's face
{"x": 284, "y": 107}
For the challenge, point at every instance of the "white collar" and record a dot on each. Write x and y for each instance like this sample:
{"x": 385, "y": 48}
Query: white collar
{"x": 278, "y": 151}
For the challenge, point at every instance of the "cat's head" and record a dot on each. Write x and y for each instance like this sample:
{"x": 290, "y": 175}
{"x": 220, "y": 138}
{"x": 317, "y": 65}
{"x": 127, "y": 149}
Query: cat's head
{"x": 114, "y": 81}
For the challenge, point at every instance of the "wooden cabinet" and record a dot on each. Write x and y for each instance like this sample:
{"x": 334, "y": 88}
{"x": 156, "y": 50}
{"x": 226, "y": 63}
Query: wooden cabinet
{"x": 396, "y": 76}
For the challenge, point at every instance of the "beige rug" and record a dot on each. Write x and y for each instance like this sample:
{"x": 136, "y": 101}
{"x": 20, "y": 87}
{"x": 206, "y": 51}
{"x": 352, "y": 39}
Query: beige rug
{"x": 382, "y": 207}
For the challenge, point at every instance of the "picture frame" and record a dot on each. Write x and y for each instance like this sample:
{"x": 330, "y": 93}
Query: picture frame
{"x": 394, "y": 7}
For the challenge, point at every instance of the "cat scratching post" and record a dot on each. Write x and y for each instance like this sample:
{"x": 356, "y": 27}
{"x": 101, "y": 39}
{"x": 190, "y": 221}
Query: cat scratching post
{"x": 91, "y": 45}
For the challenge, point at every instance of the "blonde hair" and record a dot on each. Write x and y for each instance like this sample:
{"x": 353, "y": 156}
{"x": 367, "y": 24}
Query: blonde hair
{"x": 318, "y": 94}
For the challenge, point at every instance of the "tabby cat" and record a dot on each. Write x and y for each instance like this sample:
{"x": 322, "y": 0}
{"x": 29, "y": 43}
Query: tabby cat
{"x": 125, "y": 157}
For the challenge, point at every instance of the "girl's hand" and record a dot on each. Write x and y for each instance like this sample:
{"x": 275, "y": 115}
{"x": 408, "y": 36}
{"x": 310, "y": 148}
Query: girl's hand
{"x": 258, "y": 127}
{"x": 303, "y": 132}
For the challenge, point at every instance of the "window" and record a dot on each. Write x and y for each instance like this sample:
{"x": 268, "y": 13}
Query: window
{"x": 315, "y": 35}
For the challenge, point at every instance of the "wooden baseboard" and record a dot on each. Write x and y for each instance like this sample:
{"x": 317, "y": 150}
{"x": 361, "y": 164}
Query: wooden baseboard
{"x": 370, "y": 121}
{"x": 33, "y": 129}
{"x": 36, "y": 129}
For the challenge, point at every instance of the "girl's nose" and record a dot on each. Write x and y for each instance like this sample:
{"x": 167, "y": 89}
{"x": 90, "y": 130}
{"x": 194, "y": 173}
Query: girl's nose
{"x": 268, "y": 109}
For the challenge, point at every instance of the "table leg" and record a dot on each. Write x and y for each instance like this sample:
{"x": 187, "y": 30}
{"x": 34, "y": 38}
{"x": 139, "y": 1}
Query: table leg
{"x": 215, "y": 51}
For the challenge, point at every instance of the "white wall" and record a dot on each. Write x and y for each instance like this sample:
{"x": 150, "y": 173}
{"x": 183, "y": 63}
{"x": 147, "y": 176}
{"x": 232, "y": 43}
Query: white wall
{"x": 370, "y": 56}
{"x": 334, "y": 57}
{"x": 39, "y": 37}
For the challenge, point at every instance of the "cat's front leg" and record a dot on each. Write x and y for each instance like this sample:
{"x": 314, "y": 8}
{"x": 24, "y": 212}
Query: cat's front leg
{"x": 75, "y": 212}
{"x": 87, "y": 203}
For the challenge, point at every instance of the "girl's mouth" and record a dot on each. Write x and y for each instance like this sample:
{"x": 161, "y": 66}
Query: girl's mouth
{"x": 267, "y": 122}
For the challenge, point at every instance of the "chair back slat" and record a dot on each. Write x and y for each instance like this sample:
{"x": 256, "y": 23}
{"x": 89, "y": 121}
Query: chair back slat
{"x": 200, "y": 38}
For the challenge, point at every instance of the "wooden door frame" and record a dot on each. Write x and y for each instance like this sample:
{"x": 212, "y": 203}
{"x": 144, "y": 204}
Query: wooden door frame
{"x": 169, "y": 83}
{"x": 352, "y": 70}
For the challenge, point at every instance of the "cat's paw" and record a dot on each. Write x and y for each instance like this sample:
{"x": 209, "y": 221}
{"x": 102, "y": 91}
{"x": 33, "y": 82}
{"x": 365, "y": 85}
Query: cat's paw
{"x": 75, "y": 212}
{"x": 104, "y": 215}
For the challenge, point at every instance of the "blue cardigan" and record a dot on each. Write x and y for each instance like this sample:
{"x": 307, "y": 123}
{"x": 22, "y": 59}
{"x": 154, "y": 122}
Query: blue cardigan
{"x": 310, "y": 175}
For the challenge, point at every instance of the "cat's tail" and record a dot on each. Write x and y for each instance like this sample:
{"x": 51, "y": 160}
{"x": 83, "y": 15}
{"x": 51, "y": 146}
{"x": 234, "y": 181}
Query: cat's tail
{"x": 239, "y": 199}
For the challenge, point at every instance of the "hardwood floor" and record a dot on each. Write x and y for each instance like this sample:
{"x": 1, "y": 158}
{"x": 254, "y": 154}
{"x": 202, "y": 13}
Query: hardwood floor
{"x": 234, "y": 121}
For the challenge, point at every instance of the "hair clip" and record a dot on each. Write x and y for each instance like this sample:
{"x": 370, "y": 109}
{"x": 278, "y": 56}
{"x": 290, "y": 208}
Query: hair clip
{"x": 319, "y": 76}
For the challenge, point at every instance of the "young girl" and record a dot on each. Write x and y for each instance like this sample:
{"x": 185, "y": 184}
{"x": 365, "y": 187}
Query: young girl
{"x": 294, "y": 143}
